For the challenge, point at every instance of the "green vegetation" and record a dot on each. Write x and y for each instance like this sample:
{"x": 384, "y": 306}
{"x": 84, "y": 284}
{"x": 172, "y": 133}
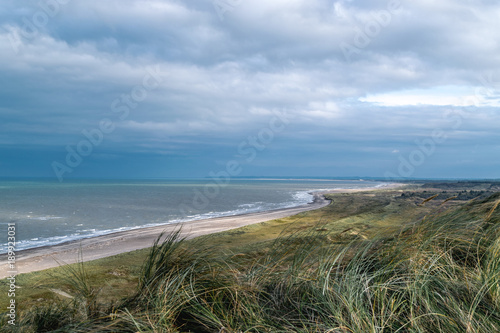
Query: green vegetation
{"x": 386, "y": 261}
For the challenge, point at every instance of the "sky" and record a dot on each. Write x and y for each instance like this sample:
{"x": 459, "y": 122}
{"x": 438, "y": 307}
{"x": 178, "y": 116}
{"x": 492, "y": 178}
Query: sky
{"x": 313, "y": 88}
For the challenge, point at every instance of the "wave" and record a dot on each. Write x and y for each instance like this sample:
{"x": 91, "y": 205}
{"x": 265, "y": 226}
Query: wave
{"x": 46, "y": 218}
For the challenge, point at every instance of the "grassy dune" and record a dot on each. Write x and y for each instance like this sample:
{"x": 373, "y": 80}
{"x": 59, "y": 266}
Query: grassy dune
{"x": 387, "y": 261}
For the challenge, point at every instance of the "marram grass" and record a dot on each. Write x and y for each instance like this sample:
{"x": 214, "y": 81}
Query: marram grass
{"x": 442, "y": 274}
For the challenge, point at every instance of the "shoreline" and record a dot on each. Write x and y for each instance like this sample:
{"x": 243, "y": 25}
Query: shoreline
{"x": 92, "y": 248}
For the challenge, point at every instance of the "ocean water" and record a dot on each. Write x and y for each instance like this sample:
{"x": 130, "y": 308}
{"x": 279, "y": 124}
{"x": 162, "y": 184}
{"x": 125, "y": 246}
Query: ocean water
{"x": 47, "y": 213}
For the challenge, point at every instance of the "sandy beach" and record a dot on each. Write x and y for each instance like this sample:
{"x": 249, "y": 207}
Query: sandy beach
{"x": 41, "y": 258}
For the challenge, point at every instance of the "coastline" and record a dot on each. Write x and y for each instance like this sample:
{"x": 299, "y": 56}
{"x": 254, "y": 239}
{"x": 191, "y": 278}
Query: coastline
{"x": 40, "y": 258}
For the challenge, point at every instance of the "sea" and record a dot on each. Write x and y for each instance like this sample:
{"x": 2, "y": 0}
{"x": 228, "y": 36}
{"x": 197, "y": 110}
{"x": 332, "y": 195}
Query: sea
{"x": 48, "y": 213}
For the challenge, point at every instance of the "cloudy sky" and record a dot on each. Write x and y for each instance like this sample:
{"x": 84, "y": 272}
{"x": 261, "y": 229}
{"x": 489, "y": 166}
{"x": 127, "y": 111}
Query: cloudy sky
{"x": 129, "y": 88}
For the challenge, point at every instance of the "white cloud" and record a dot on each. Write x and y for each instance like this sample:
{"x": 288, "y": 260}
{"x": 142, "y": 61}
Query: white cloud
{"x": 438, "y": 96}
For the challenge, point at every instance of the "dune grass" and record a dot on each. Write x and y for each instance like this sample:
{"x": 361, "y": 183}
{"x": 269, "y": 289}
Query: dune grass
{"x": 350, "y": 269}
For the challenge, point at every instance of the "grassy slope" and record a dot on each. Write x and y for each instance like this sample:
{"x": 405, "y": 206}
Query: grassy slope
{"x": 118, "y": 275}
{"x": 350, "y": 217}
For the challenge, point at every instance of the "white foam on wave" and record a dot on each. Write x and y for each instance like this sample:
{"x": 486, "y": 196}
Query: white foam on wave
{"x": 246, "y": 206}
{"x": 303, "y": 197}
{"x": 45, "y": 218}
{"x": 55, "y": 240}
